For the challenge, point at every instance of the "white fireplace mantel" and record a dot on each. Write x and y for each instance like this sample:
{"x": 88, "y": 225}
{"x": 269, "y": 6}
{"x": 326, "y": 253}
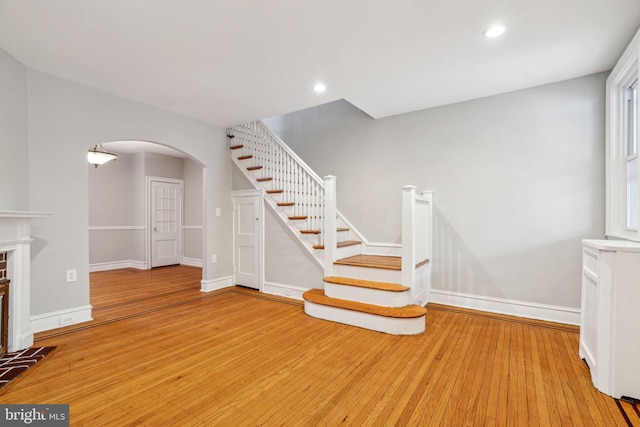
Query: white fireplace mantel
{"x": 15, "y": 239}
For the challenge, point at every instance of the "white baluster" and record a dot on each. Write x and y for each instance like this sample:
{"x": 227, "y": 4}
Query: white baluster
{"x": 307, "y": 203}
{"x": 276, "y": 167}
{"x": 299, "y": 199}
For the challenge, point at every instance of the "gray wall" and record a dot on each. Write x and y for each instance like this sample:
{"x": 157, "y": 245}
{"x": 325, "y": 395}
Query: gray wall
{"x": 192, "y": 174}
{"x": 518, "y": 181}
{"x": 14, "y": 163}
{"x": 287, "y": 262}
{"x": 112, "y": 199}
{"x": 163, "y": 166}
{"x": 64, "y": 119}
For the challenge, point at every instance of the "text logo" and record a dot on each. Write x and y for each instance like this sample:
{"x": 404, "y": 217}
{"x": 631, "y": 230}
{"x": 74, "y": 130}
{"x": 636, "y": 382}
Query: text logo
{"x": 34, "y": 415}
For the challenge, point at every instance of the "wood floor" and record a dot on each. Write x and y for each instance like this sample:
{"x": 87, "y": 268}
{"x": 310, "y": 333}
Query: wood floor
{"x": 235, "y": 357}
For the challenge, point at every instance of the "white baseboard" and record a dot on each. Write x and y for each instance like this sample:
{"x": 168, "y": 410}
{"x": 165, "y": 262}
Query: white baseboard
{"x": 117, "y": 265}
{"x": 61, "y": 318}
{"x": 551, "y": 313}
{"x": 283, "y": 290}
{"x": 22, "y": 341}
{"x": 215, "y": 284}
{"x": 193, "y": 262}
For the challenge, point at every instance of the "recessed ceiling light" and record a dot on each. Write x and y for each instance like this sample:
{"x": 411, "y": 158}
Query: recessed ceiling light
{"x": 494, "y": 31}
{"x": 319, "y": 87}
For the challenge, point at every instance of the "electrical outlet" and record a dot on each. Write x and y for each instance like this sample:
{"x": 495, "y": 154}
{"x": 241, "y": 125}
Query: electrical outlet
{"x": 72, "y": 276}
{"x": 217, "y": 211}
{"x": 287, "y": 292}
{"x": 214, "y": 259}
{"x": 66, "y": 320}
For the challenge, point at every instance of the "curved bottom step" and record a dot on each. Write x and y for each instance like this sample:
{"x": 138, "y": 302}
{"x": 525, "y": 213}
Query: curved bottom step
{"x": 408, "y": 320}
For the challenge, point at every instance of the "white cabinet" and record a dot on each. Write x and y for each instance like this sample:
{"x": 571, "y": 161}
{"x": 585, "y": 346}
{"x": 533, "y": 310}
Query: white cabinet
{"x": 610, "y": 316}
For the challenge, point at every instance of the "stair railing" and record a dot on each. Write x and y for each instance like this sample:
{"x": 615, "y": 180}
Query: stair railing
{"x": 417, "y": 226}
{"x": 298, "y": 182}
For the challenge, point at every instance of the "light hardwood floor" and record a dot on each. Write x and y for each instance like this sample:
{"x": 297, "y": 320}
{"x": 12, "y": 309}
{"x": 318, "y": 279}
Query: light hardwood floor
{"x": 236, "y": 357}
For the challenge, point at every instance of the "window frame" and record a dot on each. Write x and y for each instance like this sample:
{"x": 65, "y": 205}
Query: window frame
{"x": 622, "y": 77}
{"x": 631, "y": 153}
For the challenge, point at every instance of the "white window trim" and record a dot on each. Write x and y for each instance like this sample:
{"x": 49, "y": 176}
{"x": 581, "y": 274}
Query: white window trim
{"x": 623, "y": 74}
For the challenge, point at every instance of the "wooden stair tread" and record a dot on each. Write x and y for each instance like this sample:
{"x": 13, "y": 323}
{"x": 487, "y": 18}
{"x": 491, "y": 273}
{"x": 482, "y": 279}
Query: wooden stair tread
{"x": 297, "y": 217}
{"x": 317, "y": 296}
{"x": 373, "y": 261}
{"x": 236, "y": 147}
{"x": 254, "y": 168}
{"x": 275, "y": 191}
{"x": 342, "y": 244}
{"x": 319, "y": 231}
{"x": 245, "y": 157}
{"x": 286, "y": 203}
{"x": 369, "y": 284}
{"x": 263, "y": 179}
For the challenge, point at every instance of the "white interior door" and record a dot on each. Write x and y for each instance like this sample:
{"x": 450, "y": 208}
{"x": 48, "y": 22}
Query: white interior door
{"x": 166, "y": 223}
{"x": 247, "y": 226}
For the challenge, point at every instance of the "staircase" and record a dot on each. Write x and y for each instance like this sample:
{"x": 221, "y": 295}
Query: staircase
{"x": 382, "y": 292}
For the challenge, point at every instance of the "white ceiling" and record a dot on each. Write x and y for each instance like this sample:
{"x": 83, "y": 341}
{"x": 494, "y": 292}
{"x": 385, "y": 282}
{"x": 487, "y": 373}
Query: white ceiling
{"x": 232, "y": 61}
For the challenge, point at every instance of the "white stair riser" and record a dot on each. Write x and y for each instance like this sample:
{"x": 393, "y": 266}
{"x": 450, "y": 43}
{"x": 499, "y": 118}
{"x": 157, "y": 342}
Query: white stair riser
{"x": 389, "y": 325}
{"x": 255, "y": 173}
{"x": 367, "y": 296}
{"x": 343, "y": 235}
{"x": 286, "y": 211}
{"x": 276, "y": 197}
{"x": 365, "y": 273}
{"x": 297, "y": 224}
{"x": 264, "y": 184}
{"x": 312, "y": 239}
{"x": 349, "y": 251}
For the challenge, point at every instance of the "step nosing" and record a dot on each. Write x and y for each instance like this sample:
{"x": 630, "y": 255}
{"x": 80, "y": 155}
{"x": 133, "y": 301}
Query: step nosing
{"x": 381, "y": 267}
{"x": 316, "y": 296}
{"x": 366, "y": 284}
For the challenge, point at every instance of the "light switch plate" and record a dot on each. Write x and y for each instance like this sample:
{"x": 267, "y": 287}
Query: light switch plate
{"x": 72, "y": 276}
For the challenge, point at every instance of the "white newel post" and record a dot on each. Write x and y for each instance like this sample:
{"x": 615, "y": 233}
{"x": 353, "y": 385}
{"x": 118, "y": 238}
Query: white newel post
{"x": 330, "y": 226}
{"x": 408, "y": 235}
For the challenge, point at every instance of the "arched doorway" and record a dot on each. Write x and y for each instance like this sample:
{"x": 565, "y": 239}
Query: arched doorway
{"x": 120, "y": 229}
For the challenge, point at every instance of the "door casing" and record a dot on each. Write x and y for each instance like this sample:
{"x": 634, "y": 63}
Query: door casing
{"x": 259, "y": 194}
{"x": 148, "y": 222}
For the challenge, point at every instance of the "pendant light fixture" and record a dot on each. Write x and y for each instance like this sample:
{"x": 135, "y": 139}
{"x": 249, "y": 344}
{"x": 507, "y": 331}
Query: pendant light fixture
{"x": 98, "y": 156}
